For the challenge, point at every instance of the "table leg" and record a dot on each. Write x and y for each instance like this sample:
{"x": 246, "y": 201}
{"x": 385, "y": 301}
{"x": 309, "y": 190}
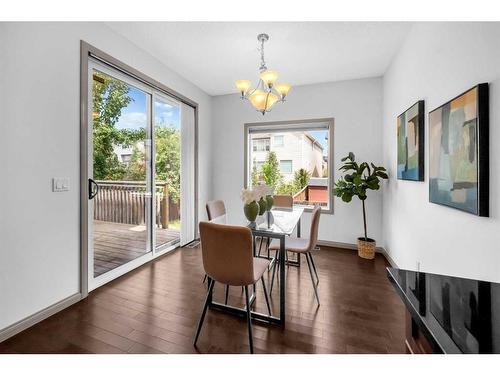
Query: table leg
{"x": 298, "y": 235}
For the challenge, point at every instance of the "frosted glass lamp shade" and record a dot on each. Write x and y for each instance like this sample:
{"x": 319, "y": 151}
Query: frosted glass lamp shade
{"x": 243, "y": 85}
{"x": 262, "y": 100}
{"x": 269, "y": 77}
{"x": 282, "y": 88}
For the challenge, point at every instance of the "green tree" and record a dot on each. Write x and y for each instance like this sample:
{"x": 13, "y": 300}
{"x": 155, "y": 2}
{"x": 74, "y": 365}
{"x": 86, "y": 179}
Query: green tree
{"x": 255, "y": 177}
{"x": 301, "y": 178}
{"x": 109, "y": 96}
{"x": 136, "y": 170}
{"x": 271, "y": 171}
{"x": 288, "y": 188}
{"x": 168, "y": 163}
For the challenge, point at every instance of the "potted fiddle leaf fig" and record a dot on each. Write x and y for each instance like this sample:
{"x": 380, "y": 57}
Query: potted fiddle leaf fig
{"x": 357, "y": 180}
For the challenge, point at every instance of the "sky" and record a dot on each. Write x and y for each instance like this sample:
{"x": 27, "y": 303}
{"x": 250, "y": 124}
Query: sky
{"x": 134, "y": 114}
{"x": 320, "y": 136}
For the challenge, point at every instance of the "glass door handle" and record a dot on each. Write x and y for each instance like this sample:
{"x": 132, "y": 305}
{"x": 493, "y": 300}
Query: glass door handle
{"x": 93, "y": 193}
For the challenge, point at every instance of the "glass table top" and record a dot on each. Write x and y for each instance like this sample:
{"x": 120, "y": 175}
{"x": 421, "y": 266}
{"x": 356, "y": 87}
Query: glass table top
{"x": 277, "y": 221}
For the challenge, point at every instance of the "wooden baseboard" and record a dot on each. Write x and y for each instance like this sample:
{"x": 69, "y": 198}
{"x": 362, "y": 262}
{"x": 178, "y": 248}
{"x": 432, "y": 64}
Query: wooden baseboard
{"x": 38, "y": 317}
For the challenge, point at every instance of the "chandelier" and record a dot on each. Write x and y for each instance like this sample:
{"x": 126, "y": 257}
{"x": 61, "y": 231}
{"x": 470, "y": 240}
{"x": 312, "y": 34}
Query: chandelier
{"x": 267, "y": 92}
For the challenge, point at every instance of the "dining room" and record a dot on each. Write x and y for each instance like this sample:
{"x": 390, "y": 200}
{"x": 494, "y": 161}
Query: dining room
{"x": 261, "y": 189}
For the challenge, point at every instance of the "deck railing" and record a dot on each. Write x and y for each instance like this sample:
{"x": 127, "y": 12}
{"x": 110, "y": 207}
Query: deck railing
{"x": 125, "y": 202}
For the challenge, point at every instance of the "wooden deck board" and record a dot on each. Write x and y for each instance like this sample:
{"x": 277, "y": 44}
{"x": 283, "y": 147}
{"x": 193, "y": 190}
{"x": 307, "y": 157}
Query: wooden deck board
{"x": 116, "y": 244}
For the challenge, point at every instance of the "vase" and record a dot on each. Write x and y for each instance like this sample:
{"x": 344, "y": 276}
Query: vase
{"x": 251, "y": 211}
{"x": 269, "y": 202}
{"x": 262, "y": 206}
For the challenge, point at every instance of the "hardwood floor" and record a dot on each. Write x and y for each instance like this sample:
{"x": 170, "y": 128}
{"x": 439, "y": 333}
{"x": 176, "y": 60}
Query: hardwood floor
{"x": 116, "y": 244}
{"x": 155, "y": 309}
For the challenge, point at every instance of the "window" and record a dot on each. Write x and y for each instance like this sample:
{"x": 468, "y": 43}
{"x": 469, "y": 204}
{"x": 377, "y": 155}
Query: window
{"x": 261, "y": 144}
{"x": 286, "y": 166}
{"x": 299, "y": 167}
{"x": 279, "y": 141}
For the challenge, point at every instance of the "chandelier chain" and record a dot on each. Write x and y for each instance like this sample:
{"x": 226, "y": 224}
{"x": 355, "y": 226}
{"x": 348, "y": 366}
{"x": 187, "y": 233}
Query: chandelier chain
{"x": 262, "y": 67}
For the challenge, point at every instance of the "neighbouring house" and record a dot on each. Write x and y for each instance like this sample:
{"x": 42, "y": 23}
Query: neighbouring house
{"x": 294, "y": 150}
{"x": 123, "y": 153}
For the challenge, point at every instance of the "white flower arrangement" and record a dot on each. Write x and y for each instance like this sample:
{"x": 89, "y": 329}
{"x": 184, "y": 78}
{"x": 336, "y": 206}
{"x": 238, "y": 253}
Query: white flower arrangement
{"x": 260, "y": 191}
{"x": 248, "y": 196}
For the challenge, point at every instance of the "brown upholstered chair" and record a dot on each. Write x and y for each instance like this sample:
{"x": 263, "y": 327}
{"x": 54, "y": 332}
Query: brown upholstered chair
{"x": 217, "y": 210}
{"x": 303, "y": 246}
{"x": 227, "y": 252}
{"x": 283, "y": 201}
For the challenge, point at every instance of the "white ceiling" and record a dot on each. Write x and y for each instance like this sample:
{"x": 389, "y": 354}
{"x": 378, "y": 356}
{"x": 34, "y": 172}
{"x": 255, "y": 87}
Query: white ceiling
{"x": 213, "y": 55}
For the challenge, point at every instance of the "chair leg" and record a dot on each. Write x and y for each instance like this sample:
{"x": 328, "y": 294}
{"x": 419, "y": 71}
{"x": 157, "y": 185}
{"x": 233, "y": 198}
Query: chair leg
{"x": 276, "y": 264}
{"x": 314, "y": 267}
{"x": 249, "y": 319}
{"x": 268, "y": 243}
{"x": 227, "y": 294}
{"x": 312, "y": 279}
{"x": 260, "y": 245}
{"x": 265, "y": 295}
{"x": 205, "y": 279}
{"x": 211, "y": 284}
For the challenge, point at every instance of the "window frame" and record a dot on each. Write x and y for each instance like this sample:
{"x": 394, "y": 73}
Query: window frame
{"x": 291, "y": 125}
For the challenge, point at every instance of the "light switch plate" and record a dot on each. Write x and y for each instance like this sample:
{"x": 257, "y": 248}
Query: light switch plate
{"x": 60, "y": 184}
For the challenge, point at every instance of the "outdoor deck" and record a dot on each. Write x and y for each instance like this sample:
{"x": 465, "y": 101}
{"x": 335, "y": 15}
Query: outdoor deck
{"x": 116, "y": 244}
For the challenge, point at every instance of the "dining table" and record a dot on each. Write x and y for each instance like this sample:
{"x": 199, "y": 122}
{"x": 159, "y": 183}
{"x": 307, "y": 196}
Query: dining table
{"x": 277, "y": 223}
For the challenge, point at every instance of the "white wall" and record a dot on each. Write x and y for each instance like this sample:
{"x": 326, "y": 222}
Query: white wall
{"x": 357, "y": 108}
{"x": 39, "y": 139}
{"x": 437, "y": 62}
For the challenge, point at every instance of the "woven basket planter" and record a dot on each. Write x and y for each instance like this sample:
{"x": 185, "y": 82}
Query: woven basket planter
{"x": 366, "y": 249}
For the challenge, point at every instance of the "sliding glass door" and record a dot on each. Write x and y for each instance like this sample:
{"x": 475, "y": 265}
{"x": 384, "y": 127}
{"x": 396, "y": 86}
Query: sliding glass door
{"x": 167, "y": 166}
{"x": 134, "y": 173}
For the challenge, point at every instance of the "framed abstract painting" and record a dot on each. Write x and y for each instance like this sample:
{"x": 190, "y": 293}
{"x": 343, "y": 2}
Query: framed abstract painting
{"x": 411, "y": 143}
{"x": 459, "y": 152}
